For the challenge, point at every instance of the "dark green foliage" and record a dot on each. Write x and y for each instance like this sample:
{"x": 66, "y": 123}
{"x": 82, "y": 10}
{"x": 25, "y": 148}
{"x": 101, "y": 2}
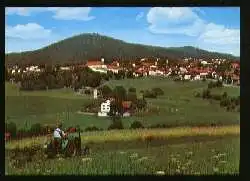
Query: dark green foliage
{"x": 136, "y": 125}
{"x": 158, "y": 91}
{"x": 141, "y": 104}
{"x": 150, "y": 94}
{"x": 132, "y": 89}
{"x": 116, "y": 123}
{"x": 36, "y": 129}
{"x": 91, "y": 46}
{"x": 106, "y": 91}
{"x": 92, "y": 128}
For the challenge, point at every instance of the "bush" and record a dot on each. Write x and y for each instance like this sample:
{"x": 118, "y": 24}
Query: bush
{"x": 132, "y": 89}
{"x": 197, "y": 94}
{"x": 116, "y": 123}
{"x": 92, "y": 128}
{"x": 36, "y": 129}
{"x": 225, "y": 102}
{"x": 11, "y": 128}
{"x": 150, "y": 94}
{"x": 136, "y": 125}
{"x": 158, "y": 91}
{"x": 224, "y": 95}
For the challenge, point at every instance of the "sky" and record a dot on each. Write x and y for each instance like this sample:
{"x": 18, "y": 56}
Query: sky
{"x": 209, "y": 28}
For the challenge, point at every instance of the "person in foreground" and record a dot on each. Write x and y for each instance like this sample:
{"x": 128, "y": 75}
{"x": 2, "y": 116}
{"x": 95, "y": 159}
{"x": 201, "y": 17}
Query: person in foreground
{"x": 58, "y": 136}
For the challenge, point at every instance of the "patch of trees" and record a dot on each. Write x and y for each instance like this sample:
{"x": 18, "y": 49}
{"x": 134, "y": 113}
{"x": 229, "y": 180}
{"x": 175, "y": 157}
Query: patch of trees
{"x": 153, "y": 93}
{"x": 230, "y": 103}
{"x": 52, "y": 79}
{"x": 214, "y": 84}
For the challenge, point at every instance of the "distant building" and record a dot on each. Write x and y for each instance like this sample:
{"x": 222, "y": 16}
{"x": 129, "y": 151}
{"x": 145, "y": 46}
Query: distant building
{"x": 95, "y": 94}
{"x": 105, "y": 109}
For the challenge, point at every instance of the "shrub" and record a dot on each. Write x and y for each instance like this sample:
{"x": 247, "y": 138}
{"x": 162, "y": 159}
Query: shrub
{"x": 36, "y": 129}
{"x": 116, "y": 123}
{"x": 150, "y": 94}
{"x": 225, "y": 102}
{"x": 132, "y": 89}
{"x": 158, "y": 91}
{"x": 197, "y": 94}
{"x": 92, "y": 128}
{"x": 11, "y": 128}
{"x": 136, "y": 125}
{"x": 224, "y": 95}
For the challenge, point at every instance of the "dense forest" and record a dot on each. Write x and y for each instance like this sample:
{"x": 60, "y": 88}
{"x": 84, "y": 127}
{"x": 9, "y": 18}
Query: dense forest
{"x": 83, "y": 47}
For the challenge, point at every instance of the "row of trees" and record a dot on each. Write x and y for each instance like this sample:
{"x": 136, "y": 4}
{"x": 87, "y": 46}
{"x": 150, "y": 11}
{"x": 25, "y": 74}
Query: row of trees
{"x": 229, "y": 102}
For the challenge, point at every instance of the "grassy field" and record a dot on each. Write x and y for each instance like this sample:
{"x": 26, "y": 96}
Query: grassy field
{"x": 208, "y": 156}
{"x": 179, "y": 150}
{"x": 178, "y": 106}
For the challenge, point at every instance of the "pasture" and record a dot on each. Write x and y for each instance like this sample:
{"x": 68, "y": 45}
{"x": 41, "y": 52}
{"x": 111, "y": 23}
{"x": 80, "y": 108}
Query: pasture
{"x": 177, "y": 106}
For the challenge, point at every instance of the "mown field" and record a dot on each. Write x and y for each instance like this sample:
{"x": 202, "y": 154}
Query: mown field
{"x": 177, "y": 106}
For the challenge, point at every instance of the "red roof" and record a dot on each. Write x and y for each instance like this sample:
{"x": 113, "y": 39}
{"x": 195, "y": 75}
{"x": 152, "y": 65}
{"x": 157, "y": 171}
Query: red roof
{"x": 126, "y": 104}
{"x": 91, "y": 63}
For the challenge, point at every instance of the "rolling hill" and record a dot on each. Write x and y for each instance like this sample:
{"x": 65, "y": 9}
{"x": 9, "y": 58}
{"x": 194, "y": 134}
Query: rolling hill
{"x": 82, "y": 47}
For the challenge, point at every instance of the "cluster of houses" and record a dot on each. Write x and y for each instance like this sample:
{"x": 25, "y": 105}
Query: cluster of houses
{"x": 188, "y": 69}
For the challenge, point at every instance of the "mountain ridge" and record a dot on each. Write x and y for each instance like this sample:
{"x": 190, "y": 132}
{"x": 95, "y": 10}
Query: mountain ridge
{"x": 82, "y": 47}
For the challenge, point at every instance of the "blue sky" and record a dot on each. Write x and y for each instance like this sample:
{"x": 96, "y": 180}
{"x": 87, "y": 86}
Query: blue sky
{"x": 209, "y": 28}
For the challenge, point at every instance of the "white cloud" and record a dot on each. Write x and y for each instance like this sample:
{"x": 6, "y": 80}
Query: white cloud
{"x": 139, "y": 16}
{"x": 23, "y": 11}
{"x": 27, "y": 31}
{"x": 219, "y": 34}
{"x": 73, "y": 13}
{"x": 185, "y": 21}
{"x": 81, "y": 14}
{"x": 174, "y": 21}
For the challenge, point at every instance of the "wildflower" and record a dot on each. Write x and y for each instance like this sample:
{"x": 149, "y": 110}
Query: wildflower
{"x": 222, "y": 161}
{"x": 190, "y": 153}
{"x": 160, "y": 173}
{"x": 215, "y": 169}
{"x": 142, "y": 158}
{"x": 133, "y": 155}
{"x": 221, "y": 154}
{"x": 173, "y": 159}
{"x": 122, "y": 152}
{"x": 86, "y": 159}
{"x": 178, "y": 170}
{"x": 215, "y": 156}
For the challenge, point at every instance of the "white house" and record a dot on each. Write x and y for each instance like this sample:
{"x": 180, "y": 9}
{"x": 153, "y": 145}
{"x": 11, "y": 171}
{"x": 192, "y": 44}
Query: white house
{"x": 197, "y": 77}
{"x": 187, "y": 77}
{"x": 105, "y": 109}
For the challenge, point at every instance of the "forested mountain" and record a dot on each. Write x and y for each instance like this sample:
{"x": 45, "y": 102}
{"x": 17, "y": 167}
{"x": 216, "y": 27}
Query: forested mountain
{"x": 83, "y": 47}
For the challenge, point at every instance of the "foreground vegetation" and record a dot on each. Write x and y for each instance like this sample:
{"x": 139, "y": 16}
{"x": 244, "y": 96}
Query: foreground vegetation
{"x": 138, "y": 134}
{"x": 210, "y": 156}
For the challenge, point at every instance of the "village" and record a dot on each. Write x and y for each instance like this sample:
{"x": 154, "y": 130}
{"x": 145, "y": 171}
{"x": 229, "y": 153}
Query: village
{"x": 187, "y": 69}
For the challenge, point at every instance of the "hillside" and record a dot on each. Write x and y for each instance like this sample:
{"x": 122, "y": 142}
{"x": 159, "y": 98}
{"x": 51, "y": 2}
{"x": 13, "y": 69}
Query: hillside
{"x": 82, "y": 47}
